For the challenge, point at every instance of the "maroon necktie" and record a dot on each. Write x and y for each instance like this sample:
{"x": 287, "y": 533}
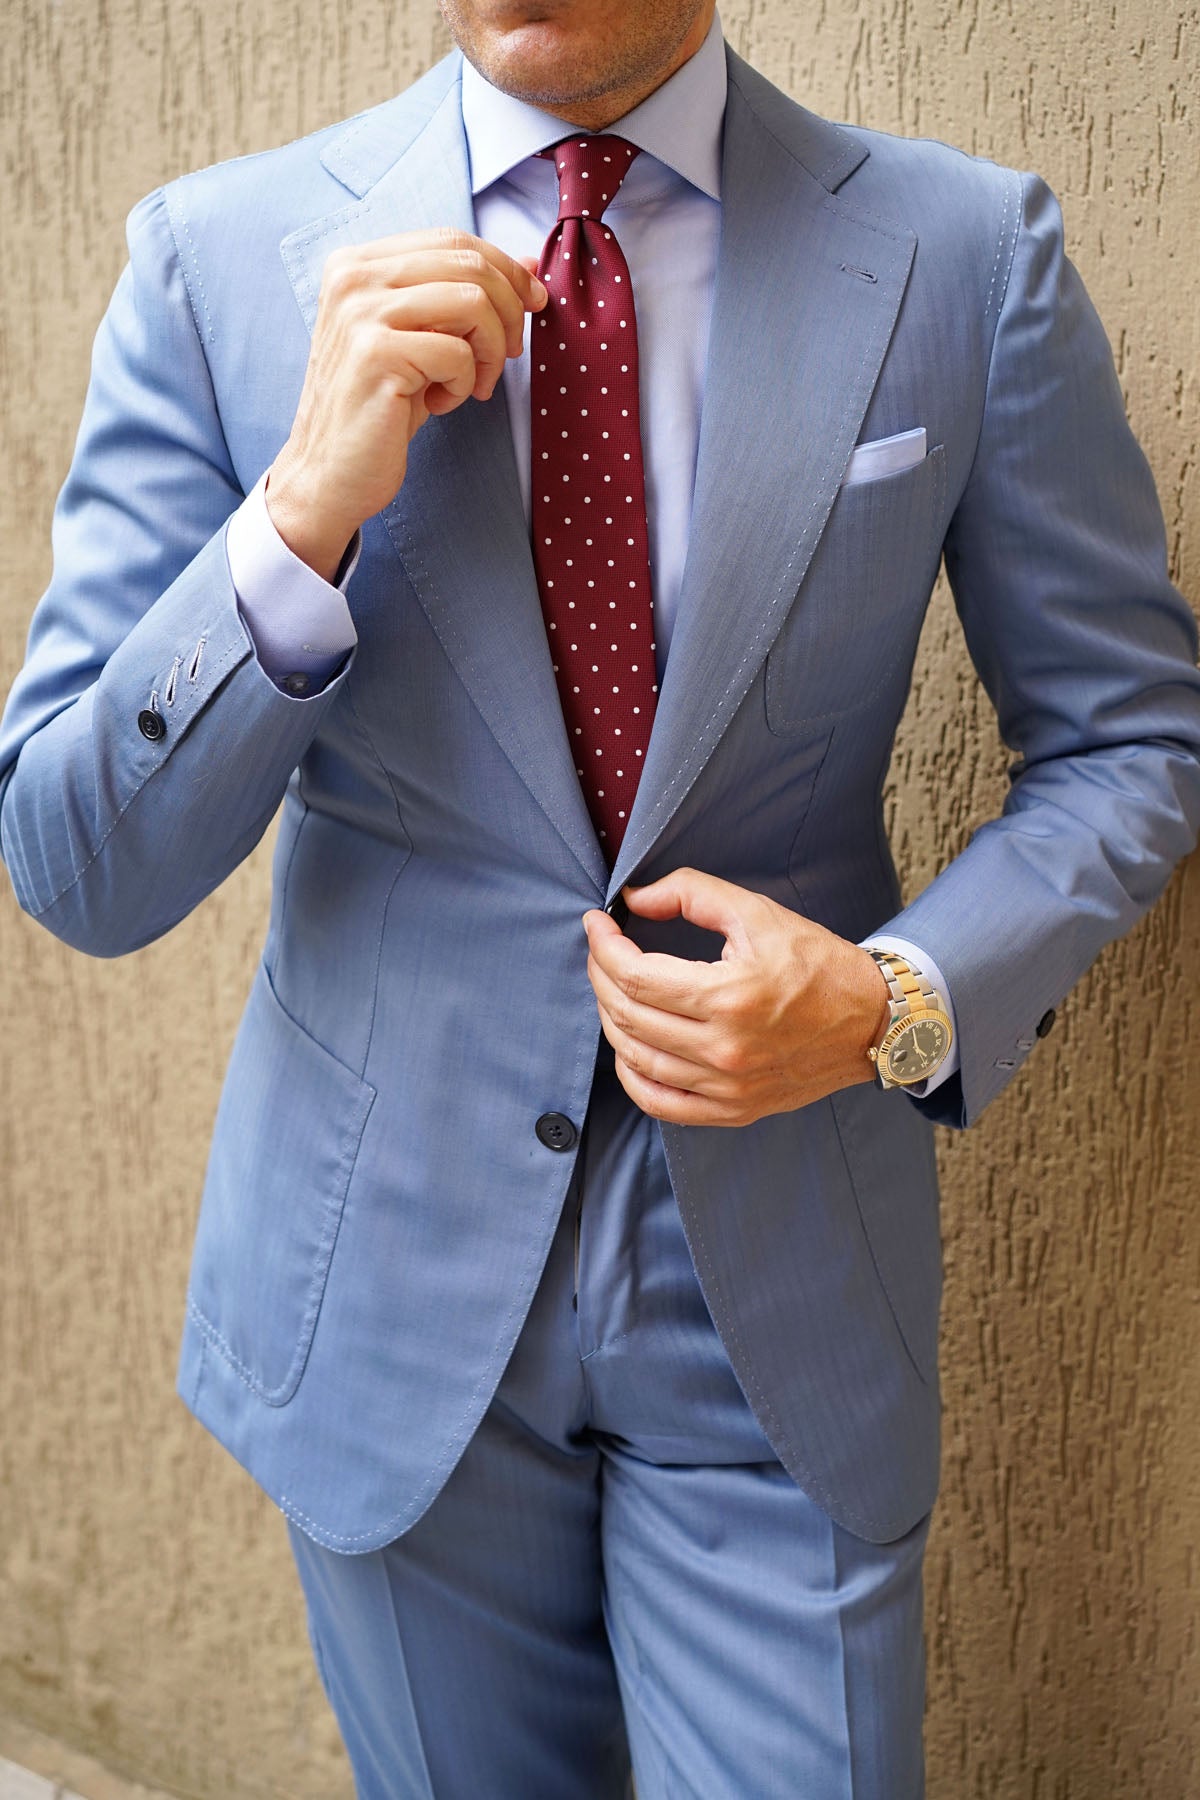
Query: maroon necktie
{"x": 588, "y": 491}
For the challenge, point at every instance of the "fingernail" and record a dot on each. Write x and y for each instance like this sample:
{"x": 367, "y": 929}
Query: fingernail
{"x": 540, "y": 294}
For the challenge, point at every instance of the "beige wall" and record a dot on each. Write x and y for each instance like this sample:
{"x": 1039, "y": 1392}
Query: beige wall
{"x": 148, "y": 1612}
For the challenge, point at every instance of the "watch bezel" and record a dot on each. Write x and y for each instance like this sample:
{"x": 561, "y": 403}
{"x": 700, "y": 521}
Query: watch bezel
{"x": 899, "y": 1029}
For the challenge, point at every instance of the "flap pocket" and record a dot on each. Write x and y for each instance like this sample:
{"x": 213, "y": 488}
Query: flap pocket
{"x": 853, "y": 627}
{"x": 287, "y": 1135}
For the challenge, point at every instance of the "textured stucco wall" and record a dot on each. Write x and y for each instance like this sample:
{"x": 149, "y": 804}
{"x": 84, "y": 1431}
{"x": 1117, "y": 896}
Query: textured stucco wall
{"x": 148, "y": 1612}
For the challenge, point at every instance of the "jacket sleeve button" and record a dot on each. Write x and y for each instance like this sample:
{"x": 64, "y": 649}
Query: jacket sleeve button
{"x": 556, "y": 1131}
{"x": 152, "y": 725}
{"x": 1045, "y": 1024}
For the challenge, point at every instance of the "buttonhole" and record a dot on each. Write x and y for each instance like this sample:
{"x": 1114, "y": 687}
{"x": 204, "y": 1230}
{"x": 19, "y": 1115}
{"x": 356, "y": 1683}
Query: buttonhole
{"x": 862, "y": 274}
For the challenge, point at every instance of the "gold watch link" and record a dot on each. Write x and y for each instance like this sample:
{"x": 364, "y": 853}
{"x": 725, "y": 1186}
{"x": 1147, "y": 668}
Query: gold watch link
{"x": 918, "y": 1035}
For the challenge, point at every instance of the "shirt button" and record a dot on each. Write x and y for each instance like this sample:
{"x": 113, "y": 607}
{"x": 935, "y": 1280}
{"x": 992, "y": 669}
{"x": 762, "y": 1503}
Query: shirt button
{"x": 556, "y": 1131}
{"x": 1045, "y": 1024}
{"x": 295, "y": 684}
{"x": 152, "y": 725}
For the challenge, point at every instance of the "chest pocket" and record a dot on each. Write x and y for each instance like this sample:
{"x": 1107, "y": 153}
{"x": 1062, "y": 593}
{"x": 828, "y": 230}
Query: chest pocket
{"x": 852, "y": 632}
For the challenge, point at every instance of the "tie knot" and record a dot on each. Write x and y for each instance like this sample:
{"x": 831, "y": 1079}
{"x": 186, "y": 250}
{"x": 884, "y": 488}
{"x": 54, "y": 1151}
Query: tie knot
{"x": 590, "y": 170}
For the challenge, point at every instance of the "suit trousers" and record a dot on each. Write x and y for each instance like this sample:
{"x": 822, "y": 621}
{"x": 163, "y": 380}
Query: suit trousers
{"x": 619, "y": 1571}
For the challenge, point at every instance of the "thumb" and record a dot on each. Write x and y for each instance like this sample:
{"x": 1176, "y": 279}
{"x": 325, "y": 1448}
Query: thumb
{"x": 704, "y": 900}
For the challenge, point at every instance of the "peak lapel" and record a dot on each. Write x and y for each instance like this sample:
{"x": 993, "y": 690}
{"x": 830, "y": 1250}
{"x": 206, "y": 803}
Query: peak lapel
{"x": 807, "y": 294}
{"x": 457, "y": 525}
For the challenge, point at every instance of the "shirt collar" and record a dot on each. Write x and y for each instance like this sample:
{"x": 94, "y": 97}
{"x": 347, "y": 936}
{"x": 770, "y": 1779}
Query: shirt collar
{"x": 679, "y": 123}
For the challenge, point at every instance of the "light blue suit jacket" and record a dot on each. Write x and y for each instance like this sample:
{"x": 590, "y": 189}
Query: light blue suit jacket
{"x": 378, "y": 1205}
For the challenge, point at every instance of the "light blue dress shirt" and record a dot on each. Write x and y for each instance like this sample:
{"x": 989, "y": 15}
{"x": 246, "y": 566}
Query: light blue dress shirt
{"x": 667, "y": 218}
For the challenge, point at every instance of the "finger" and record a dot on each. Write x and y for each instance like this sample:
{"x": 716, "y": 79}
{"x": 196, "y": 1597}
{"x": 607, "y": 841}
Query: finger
{"x": 463, "y": 309}
{"x": 417, "y": 291}
{"x": 672, "y": 1032}
{"x": 421, "y": 256}
{"x": 669, "y": 982}
{"x": 673, "y": 1105}
{"x": 436, "y": 365}
{"x": 705, "y": 900}
{"x": 660, "y": 1065}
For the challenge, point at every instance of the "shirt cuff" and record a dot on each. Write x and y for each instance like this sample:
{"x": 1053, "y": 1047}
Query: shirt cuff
{"x": 299, "y": 624}
{"x": 921, "y": 959}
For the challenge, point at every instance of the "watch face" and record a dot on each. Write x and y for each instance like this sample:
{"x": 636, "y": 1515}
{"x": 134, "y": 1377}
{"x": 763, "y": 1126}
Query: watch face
{"x": 917, "y": 1050}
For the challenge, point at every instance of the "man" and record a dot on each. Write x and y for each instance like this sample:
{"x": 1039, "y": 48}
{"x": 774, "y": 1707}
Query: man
{"x": 598, "y": 1384}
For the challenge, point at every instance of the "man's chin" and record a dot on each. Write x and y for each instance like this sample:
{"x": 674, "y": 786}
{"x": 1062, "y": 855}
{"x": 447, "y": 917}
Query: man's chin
{"x": 541, "y": 65}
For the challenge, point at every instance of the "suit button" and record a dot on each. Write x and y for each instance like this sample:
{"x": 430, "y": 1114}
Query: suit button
{"x": 556, "y": 1131}
{"x": 297, "y": 685}
{"x": 152, "y": 725}
{"x": 1045, "y": 1024}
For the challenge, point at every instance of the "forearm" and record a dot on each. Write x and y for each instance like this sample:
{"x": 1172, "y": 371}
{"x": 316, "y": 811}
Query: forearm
{"x": 110, "y": 836}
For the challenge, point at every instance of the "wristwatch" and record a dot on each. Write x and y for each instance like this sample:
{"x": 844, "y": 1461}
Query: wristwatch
{"x": 917, "y": 1039}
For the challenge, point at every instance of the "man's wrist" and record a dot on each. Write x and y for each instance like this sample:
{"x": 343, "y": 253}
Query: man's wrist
{"x": 311, "y": 534}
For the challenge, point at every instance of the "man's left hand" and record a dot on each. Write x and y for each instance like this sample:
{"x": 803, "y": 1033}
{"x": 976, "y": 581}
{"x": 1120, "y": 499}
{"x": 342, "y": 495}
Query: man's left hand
{"x": 784, "y": 1018}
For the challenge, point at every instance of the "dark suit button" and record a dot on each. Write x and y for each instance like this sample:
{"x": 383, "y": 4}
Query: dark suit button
{"x": 556, "y": 1131}
{"x": 152, "y": 725}
{"x": 295, "y": 684}
{"x": 1045, "y": 1024}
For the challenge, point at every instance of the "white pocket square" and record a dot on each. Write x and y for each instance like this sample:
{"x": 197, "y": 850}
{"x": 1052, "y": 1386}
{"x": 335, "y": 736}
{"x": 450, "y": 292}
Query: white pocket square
{"x": 885, "y": 456}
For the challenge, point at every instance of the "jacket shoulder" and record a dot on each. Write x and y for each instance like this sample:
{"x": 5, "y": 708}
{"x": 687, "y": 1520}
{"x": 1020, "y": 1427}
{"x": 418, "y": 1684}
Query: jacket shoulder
{"x": 275, "y": 191}
{"x": 945, "y": 195}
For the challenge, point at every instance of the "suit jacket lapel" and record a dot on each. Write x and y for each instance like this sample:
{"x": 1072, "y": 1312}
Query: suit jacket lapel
{"x": 806, "y": 297}
{"x": 457, "y": 524}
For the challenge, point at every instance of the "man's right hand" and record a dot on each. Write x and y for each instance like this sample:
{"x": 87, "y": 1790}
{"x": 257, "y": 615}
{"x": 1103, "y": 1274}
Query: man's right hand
{"x": 406, "y": 326}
